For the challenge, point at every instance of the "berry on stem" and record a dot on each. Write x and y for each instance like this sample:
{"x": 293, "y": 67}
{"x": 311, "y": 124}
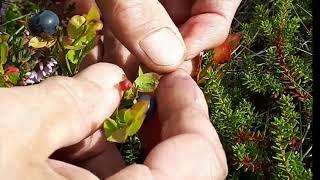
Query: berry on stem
{"x": 125, "y": 85}
{"x": 44, "y": 22}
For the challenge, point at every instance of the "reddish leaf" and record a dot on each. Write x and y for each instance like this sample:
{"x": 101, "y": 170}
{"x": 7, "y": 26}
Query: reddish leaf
{"x": 196, "y": 67}
{"x": 11, "y": 70}
{"x": 222, "y": 53}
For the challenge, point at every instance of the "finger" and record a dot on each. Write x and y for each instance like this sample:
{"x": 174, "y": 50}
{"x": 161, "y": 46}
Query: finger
{"x": 71, "y": 109}
{"x": 69, "y": 171}
{"x": 105, "y": 164}
{"x": 95, "y": 154}
{"x": 179, "y": 10}
{"x": 188, "y": 110}
{"x": 146, "y": 29}
{"x": 86, "y": 149}
{"x": 187, "y": 135}
{"x": 209, "y": 25}
{"x": 81, "y": 6}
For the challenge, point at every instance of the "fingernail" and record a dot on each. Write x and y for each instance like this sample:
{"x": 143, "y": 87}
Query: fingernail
{"x": 163, "y": 47}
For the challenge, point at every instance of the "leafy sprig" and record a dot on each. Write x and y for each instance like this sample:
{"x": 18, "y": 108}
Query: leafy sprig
{"x": 126, "y": 122}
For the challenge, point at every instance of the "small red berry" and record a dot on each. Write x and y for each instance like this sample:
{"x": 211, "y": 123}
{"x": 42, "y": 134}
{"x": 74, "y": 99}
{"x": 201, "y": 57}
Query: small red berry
{"x": 11, "y": 70}
{"x": 125, "y": 85}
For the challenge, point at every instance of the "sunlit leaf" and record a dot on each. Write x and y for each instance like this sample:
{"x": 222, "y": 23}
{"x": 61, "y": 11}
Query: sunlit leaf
{"x": 72, "y": 57}
{"x": 140, "y": 71}
{"x": 127, "y": 123}
{"x": 136, "y": 114}
{"x": 223, "y": 53}
{"x": 13, "y": 74}
{"x": 113, "y": 132}
{"x": 3, "y": 49}
{"x": 38, "y": 42}
{"x": 93, "y": 14}
{"x": 196, "y": 64}
{"x": 76, "y": 26}
{"x": 93, "y": 19}
{"x": 14, "y": 78}
{"x": 147, "y": 82}
{"x": 3, "y": 53}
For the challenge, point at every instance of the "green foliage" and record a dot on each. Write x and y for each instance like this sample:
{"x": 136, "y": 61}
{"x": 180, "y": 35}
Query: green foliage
{"x": 18, "y": 11}
{"x": 131, "y": 150}
{"x": 285, "y": 130}
{"x": 261, "y": 107}
{"x": 146, "y": 82}
{"x": 82, "y": 31}
{"x": 3, "y": 51}
{"x": 126, "y": 124}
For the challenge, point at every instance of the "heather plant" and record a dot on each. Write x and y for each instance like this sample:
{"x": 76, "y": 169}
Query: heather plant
{"x": 260, "y": 102}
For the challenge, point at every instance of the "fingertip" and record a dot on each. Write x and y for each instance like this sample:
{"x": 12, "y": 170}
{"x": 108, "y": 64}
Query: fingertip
{"x": 164, "y": 50}
{"x": 178, "y": 91}
{"x": 103, "y": 74}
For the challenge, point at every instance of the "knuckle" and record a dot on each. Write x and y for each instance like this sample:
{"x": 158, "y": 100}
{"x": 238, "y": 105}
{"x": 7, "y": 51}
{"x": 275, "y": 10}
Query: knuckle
{"x": 73, "y": 92}
{"x": 127, "y": 8}
{"x": 136, "y": 16}
{"x": 106, "y": 67}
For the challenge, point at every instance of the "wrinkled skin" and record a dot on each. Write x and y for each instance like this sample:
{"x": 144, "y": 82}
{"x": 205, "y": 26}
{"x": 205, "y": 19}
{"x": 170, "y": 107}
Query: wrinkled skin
{"x": 52, "y": 130}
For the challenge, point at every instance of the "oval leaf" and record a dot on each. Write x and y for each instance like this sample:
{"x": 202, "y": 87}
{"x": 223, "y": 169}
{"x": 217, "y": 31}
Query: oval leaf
{"x": 147, "y": 82}
{"x": 222, "y": 53}
{"x": 38, "y": 42}
{"x": 137, "y": 114}
{"x": 76, "y": 26}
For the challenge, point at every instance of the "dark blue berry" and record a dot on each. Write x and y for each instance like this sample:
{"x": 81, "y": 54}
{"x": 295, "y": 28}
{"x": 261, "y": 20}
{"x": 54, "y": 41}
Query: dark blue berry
{"x": 152, "y": 108}
{"x": 44, "y": 22}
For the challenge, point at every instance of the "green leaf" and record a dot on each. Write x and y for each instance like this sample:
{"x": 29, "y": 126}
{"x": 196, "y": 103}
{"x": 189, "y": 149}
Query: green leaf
{"x": 14, "y": 78}
{"x": 131, "y": 94}
{"x": 3, "y": 49}
{"x": 71, "y": 56}
{"x": 38, "y": 42}
{"x": 140, "y": 72}
{"x": 118, "y": 136}
{"x": 147, "y": 82}
{"x": 89, "y": 46}
{"x": 93, "y": 14}
{"x": 113, "y": 133}
{"x": 76, "y": 26}
{"x": 127, "y": 123}
{"x": 3, "y": 53}
{"x": 4, "y": 38}
{"x": 109, "y": 126}
{"x": 136, "y": 115}
{"x": 2, "y": 82}
{"x": 93, "y": 19}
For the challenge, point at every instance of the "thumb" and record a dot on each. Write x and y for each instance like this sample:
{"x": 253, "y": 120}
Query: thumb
{"x": 147, "y": 31}
{"x": 62, "y": 111}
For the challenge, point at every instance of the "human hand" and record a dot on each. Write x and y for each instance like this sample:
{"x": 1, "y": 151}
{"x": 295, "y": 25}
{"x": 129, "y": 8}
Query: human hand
{"x": 178, "y": 30}
{"x": 66, "y": 112}
{"x": 180, "y": 143}
{"x": 37, "y": 120}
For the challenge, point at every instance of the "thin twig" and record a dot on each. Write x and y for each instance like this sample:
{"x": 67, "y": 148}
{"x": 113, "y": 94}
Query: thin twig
{"x": 305, "y": 10}
{"x": 16, "y": 19}
{"x": 294, "y": 9}
{"x": 307, "y": 152}
{"x": 309, "y": 53}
